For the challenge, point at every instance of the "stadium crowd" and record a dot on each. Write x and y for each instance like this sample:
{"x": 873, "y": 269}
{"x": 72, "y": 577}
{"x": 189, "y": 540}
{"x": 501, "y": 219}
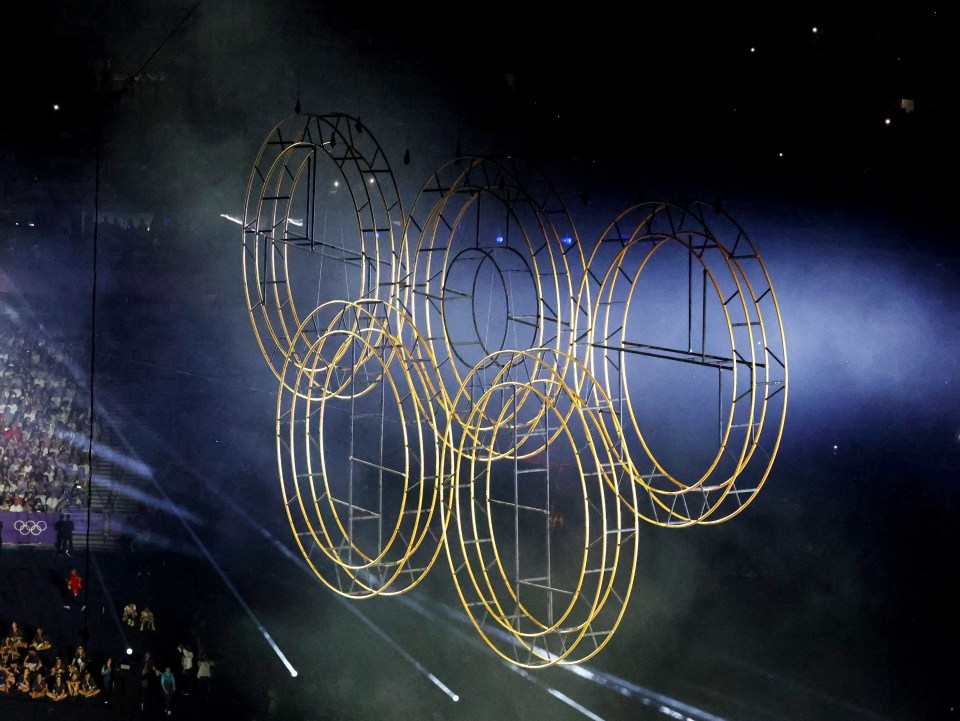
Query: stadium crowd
{"x": 44, "y": 427}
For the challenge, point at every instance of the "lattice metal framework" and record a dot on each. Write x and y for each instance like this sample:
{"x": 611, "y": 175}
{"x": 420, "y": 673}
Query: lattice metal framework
{"x": 476, "y": 384}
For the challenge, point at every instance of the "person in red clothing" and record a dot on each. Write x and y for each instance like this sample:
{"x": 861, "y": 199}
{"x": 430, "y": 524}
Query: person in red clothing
{"x": 74, "y": 584}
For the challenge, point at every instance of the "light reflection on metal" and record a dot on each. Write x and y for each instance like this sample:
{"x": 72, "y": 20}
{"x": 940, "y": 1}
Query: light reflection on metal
{"x": 485, "y": 269}
{"x": 479, "y": 385}
{"x": 548, "y": 555}
{"x": 724, "y": 320}
{"x": 300, "y": 242}
{"x": 358, "y": 457}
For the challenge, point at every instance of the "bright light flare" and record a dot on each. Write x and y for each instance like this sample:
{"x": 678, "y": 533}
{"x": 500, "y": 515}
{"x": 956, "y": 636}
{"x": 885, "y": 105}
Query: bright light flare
{"x": 234, "y": 219}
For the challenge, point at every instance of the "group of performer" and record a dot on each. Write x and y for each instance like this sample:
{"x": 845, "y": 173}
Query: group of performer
{"x": 27, "y": 669}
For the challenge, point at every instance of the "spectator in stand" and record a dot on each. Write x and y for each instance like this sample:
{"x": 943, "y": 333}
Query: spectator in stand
{"x": 33, "y": 661}
{"x": 8, "y": 652}
{"x": 8, "y": 679}
{"x": 23, "y": 685}
{"x": 58, "y": 668}
{"x": 53, "y": 501}
{"x": 15, "y": 636}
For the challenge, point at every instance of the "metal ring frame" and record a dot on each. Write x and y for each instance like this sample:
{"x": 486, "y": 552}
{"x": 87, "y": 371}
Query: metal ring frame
{"x": 368, "y": 505}
{"x": 295, "y": 247}
{"x": 412, "y": 419}
{"x": 555, "y": 595}
{"x": 748, "y": 356}
{"x": 499, "y": 221}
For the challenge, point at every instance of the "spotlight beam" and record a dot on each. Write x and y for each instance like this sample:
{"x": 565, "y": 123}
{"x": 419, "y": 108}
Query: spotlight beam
{"x": 522, "y": 672}
{"x": 299, "y": 562}
{"x": 106, "y": 592}
{"x": 396, "y": 647}
{"x": 236, "y": 594}
{"x": 219, "y": 570}
{"x": 674, "y": 708}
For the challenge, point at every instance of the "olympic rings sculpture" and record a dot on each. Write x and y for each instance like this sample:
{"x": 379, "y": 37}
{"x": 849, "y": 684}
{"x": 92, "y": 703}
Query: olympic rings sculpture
{"x": 465, "y": 379}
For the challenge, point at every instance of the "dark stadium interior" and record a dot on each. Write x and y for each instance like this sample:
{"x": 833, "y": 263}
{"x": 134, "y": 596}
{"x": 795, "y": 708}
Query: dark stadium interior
{"x": 129, "y": 135}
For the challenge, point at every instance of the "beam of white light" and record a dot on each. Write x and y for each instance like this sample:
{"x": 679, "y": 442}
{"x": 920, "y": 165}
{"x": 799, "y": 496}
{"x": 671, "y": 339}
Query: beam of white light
{"x": 570, "y": 702}
{"x": 148, "y": 500}
{"x": 668, "y": 706}
{"x": 559, "y": 695}
{"x": 223, "y": 576}
{"x": 106, "y": 591}
{"x": 234, "y": 219}
{"x": 239, "y": 598}
{"x": 472, "y": 640}
{"x": 665, "y": 704}
{"x": 301, "y": 564}
{"x": 394, "y": 645}
{"x": 130, "y": 463}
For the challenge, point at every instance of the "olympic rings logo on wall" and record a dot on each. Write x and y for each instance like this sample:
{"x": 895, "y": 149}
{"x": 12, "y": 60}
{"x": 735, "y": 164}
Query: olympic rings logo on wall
{"x": 30, "y": 527}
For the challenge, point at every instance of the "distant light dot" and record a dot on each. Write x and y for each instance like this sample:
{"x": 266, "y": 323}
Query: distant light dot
{"x": 372, "y": 181}
{"x": 753, "y": 50}
{"x": 780, "y": 155}
{"x": 56, "y": 106}
{"x": 336, "y": 183}
{"x": 814, "y": 28}
{"x": 886, "y": 121}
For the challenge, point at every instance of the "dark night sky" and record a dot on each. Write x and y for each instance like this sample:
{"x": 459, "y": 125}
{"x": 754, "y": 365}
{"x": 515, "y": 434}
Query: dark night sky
{"x": 834, "y": 582}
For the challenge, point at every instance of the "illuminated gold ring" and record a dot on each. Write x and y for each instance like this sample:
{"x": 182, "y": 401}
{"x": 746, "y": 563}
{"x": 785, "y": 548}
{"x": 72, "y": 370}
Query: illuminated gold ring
{"x": 470, "y": 213}
{"x": 284, "y": 214}
{"x": 355, "y": 572}
{"x": 671, "y": 505}
{"x": 451, "y": 425}
{"x": 498, "y": 603}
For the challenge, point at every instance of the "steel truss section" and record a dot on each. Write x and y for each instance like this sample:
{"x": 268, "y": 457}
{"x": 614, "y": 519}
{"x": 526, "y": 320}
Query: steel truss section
{"x": 321, "y": 210}
{"x": 478, "y": 385}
